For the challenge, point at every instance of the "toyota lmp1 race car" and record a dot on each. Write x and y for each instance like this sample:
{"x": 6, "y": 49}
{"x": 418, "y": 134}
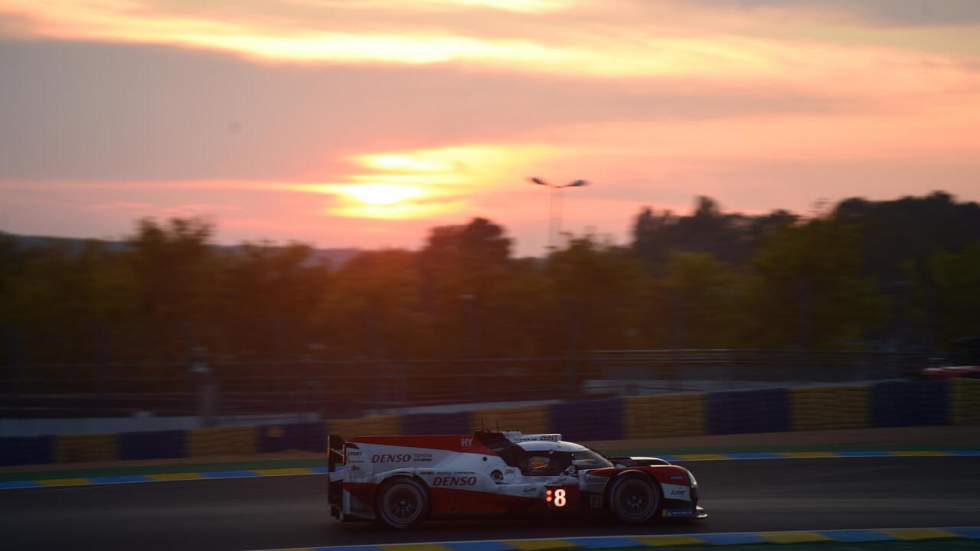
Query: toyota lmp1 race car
{"x": 404, "y": 480}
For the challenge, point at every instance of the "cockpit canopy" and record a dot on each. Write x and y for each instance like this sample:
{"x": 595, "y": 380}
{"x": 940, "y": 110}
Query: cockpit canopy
{"x": 542, "y": 455}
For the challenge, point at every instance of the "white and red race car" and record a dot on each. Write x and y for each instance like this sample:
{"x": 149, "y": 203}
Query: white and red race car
{"x": 404, "y": 480}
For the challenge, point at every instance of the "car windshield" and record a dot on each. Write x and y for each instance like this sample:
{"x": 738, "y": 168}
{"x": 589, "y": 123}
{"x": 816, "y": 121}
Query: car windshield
{"x": 545, "y": 463}
{"x": 590, "y": 459}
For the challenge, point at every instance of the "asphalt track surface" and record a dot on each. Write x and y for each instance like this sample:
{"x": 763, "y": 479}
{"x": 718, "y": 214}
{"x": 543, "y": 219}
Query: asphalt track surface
{"x": 267, "y": 513}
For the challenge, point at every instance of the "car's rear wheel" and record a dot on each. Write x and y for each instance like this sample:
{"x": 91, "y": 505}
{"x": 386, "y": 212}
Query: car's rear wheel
{"x": 402, "y": 503}
{"x": 634, "y": 498}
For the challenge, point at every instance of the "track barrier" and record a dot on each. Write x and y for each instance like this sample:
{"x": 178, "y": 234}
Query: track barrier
{"x": 367, "y": 426}
{"x": 664, "y": 415}
{"x": 311, "y": 437}
{"x": 222, "y": 441}
{"x": 530, "y": 419}
{"x": 829, "y": 408}
{"x": 909, "y": 403}
{"x": 589, "y": 419}
{"x": 164, "y": 444}
{"x": 30, "y": 450}
{"x": 881, "y": 404}
{"x": 436, "y": 423}
{"x": 747, "y": 411}
{"x": 72, "y": 448}
{"x": 965, "y": 402}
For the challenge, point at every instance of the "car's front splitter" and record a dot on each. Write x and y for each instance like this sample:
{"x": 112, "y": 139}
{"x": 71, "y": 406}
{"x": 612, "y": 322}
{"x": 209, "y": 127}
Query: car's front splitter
{"x": 697, "y": 512}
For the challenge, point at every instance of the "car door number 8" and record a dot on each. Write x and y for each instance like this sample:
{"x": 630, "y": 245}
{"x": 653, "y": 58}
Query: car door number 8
{"x": 557, "y": 497}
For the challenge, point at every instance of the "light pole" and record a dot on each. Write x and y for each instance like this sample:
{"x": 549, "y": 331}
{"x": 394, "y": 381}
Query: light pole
{"x": 554, "y": 206}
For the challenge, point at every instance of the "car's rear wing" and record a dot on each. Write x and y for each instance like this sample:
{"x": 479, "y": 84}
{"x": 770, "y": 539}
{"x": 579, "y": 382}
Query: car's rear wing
{"x": 335, "y": 488}
{"x": 335, "y": 452}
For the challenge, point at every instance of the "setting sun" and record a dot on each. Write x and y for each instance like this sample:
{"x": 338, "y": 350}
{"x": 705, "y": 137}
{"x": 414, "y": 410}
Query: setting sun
{"x": 412, "y": 184}
{"x": 380, "y": 118}
{"x": 381, "y": 195}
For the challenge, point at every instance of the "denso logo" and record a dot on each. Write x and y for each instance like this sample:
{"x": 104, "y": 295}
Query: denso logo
{"x": 454, "y": 481}
{"x": 391, "y": 458}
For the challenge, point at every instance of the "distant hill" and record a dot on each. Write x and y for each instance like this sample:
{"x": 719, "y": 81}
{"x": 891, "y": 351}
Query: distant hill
{"x": 335, "y": 257}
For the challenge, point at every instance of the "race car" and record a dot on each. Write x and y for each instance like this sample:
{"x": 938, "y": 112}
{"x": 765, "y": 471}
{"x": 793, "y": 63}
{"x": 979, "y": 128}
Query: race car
{"x": 405, "y": 480}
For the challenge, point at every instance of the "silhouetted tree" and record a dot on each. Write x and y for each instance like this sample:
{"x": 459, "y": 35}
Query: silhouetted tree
{"x": 957, "y": 296}
{"x": 596, "y": 295}
{"x": 811, "y": 291}
{"x": 462, "y": 268}
{"x": 706, "y": 302}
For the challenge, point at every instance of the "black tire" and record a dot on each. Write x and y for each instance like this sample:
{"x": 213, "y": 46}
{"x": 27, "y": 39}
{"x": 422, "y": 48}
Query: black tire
{"x": 402, "y": 503}
{"x": 635, "y": 499}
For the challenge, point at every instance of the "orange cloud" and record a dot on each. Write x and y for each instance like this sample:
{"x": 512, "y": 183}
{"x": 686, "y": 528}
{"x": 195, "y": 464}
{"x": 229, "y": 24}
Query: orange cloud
{"x": 653, "y": 100}
{"x": 636, "y": 39}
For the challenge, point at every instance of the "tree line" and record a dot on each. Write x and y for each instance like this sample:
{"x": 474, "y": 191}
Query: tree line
{"x": 901, "y": 274}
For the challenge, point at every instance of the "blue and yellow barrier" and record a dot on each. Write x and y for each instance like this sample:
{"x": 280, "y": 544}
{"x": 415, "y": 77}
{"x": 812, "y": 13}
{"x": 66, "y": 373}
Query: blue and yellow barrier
{"x": 589, "y": 419}
{"x": 83, "y": 448}
{"x": 222, "y": 441}
{"x": 435, "y": 423}
{"x": 965, "y": 402}
{"x": 882, "y": 404}
{"x": 747, "y": 411}
{"x": 311, "y": 437}
{"x": 530, "y": 419}
{"x": 367, "y": 426}
{"x": 830, "y": 408}
{"x": 31, "y": 450}
{"x": 909, "y": 403}
{"x": 664, "y": 415}
{"x": 163, "y": 444}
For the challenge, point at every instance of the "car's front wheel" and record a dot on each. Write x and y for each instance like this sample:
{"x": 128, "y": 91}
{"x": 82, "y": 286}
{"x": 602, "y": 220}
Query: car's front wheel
{"x": 634, "y": 498}
{"x": 402, "y": 503}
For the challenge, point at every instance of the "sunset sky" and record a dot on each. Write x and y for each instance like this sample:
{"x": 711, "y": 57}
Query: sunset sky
{"x": 365, "y": 122}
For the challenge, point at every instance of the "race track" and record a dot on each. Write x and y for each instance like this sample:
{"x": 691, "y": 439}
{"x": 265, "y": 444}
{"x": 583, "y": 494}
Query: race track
{"x": 282, "y": 512}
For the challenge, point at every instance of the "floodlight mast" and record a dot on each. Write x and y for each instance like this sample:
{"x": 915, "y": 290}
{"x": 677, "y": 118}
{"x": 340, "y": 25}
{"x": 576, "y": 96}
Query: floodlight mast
{"x": 554, "y": 206}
